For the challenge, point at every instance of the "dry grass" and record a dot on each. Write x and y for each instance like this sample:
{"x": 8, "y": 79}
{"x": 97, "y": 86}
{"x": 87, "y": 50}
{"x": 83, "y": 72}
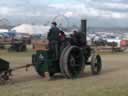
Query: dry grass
{"x": 113, "y": 81}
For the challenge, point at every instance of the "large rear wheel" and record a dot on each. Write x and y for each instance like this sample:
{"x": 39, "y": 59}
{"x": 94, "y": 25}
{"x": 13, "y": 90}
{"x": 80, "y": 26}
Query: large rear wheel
{"x": 72, "y": 62}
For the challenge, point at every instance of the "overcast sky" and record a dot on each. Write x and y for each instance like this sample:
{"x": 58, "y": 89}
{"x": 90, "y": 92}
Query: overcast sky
{"x": 98, "y": 12}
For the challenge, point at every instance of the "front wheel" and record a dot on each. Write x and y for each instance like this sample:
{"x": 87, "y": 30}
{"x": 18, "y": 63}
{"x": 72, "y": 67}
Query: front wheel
{"x": 96, "y": 64}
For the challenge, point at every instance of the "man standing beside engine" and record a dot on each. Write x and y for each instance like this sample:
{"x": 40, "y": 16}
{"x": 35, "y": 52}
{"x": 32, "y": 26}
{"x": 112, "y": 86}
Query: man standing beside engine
{"x": 54, "y": 32}
{"x": 54, "y": 39}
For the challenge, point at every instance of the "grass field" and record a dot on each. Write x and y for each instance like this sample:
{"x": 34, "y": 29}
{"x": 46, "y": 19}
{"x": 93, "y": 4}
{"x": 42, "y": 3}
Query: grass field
{"x": 113, "y": 80}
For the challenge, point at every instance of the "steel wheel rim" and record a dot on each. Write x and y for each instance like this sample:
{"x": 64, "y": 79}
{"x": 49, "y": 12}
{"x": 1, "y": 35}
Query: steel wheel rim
{"x": 96, "y": 64}
{"x": 71, "y": 71}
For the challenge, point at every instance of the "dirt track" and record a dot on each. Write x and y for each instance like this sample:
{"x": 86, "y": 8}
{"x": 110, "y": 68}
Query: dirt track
{"x": 115, "y": 67}
{"x": 112, "y": 81}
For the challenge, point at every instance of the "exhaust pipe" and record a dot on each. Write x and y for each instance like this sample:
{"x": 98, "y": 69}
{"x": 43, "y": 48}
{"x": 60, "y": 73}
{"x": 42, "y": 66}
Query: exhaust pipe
{"x": 84, "y": 29}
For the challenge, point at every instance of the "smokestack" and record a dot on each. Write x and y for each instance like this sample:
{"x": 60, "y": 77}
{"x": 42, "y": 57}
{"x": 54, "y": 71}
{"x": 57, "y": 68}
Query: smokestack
{"x": 84, "y": 28}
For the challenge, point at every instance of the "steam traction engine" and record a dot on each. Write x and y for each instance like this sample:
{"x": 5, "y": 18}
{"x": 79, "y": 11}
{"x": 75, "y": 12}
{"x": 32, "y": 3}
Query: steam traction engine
{"x": 68, "y": 58}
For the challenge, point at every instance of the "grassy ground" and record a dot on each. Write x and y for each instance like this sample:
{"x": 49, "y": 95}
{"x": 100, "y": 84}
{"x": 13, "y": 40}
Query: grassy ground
{"x": 113, "y": 80}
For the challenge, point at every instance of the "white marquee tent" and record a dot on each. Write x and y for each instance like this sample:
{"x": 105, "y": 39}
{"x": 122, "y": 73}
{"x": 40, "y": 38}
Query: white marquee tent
{"x": 3, "y": 30}
{"x": 31, "y": 29}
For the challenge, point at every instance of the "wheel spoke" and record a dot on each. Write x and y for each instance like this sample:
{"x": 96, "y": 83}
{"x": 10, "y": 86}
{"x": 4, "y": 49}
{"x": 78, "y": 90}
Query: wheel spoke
{"x": 74, "y": 65}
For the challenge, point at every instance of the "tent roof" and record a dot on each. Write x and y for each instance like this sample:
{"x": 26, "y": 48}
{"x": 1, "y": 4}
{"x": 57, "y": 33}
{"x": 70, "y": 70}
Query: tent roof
{"x": 32, "y": 29}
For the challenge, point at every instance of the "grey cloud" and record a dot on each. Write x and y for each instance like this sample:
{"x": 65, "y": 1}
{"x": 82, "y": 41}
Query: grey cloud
{"x": 43, "y": 12}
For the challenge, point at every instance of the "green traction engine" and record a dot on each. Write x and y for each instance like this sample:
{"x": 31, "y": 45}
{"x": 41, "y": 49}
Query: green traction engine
{"x": 68, "y": 58}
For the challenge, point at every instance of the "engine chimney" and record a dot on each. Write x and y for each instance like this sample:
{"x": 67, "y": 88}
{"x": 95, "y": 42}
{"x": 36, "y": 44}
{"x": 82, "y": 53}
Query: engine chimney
{"x": 84, "y": 28}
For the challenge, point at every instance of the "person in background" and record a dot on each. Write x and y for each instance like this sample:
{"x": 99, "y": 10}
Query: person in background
{"x": 62, "y": 41}
{"x": 62, "y": 36}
